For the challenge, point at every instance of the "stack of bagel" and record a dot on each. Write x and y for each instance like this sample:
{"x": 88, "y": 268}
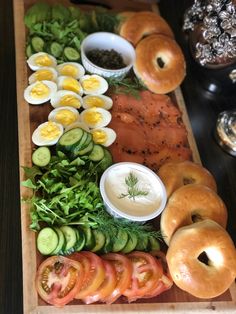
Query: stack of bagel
{"x": 160, "y": 63}
{"x": 201, "y": 254}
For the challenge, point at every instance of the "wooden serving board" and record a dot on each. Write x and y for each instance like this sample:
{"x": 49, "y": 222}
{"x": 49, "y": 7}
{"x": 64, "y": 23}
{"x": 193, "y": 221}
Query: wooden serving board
{"x": 29, "y": 117}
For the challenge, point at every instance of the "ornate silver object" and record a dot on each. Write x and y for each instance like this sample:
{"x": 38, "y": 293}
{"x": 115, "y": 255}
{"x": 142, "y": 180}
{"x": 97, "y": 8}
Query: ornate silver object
{"x": 217, "y": 22}
{"x": 226, "y": 131}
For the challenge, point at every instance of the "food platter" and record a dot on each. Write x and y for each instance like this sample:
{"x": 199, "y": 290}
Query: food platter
{"x": 28, "y": 118}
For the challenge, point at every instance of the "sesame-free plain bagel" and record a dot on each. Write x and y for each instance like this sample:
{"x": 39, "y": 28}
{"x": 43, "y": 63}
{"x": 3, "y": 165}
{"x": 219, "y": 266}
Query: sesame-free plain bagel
{"x": 202, "y": 259}
{"x": 159, "y": 64}
{"x": 189, "y": 204}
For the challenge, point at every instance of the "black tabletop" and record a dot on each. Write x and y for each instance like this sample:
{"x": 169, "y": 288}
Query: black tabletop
{"x": 203, "y": 108}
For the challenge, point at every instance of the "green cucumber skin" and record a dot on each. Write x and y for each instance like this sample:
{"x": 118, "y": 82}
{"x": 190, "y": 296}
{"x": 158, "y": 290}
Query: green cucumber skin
{"x": 41, "y": 156}
{"x": 97, "y": 153}
{"x": 47, "y": 241}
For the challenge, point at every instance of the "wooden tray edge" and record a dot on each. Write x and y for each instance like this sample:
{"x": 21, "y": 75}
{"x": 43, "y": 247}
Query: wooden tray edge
{"x": 30, "y": 297}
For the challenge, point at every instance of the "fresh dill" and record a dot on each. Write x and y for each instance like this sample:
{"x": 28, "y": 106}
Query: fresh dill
{"x": 132, "y": 191}
{"x": 128, "y": 86}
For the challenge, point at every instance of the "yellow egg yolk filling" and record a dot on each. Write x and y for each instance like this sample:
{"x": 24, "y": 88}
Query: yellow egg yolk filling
{"x": 99, "y": 136}
{"x": 71, "y": 84}
{"x": 65, "y": 117}
{"x": 70, "y": 100}
{"x": 92, "y": 117}
{"x": 94, "y": 101}
{"x": 41, "y": 75}
{"x": 91, "y": 84}
{"x": 43, "y": 60}
{"x": 50, "y": 131}
{"x": 39, "y": 91}
{"x": 69, "y": 70}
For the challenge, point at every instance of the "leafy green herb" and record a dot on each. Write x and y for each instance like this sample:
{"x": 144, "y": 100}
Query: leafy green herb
{"x": 129, "y": 86}
{"x": 132, "y": 191}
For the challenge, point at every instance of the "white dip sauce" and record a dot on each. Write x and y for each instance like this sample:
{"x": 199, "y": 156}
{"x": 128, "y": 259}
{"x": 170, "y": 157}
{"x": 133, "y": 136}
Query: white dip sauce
{"x": 140, "y": 205}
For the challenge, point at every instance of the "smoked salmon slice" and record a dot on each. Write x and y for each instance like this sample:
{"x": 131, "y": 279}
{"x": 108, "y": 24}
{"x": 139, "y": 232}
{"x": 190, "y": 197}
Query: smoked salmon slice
{"x": 149, "y": 130}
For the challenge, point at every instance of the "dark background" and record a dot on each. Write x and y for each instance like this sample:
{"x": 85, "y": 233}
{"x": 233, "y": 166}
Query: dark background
{"x": 202, "y": 106}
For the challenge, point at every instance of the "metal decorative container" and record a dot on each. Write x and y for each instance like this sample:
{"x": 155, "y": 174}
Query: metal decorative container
{"x": 211, "y": 25}
{"x": 225, "y": 131}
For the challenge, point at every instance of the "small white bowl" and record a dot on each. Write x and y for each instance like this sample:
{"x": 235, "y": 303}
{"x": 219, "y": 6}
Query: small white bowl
{"x": 107, "y": 41}
{"x": 120, "y": 204}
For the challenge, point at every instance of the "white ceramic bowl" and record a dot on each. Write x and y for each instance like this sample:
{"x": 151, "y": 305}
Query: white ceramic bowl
{"x": 107, "y": 41}
{"x": 118, "y": 201}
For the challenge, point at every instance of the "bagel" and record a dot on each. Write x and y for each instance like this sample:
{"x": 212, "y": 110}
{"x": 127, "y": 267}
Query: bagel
{"x": 159, "y": 63}
{"x": 188, "y": 204}
{"x": 143, "y": 23}
{"x": 175, "y": 175}
{"x": 202, "y": 259}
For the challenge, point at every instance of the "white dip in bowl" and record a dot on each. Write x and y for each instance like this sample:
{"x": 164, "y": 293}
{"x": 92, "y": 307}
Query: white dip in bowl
{"x": 132, "y": 191}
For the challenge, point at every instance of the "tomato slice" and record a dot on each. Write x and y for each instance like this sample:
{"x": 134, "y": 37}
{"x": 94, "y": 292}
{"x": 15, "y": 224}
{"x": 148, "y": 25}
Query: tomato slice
{"x": 107, "y": 287}
{"x": 94, "y": 273}
{"x": 146, "y": 273}
{"x": 124, "y": 269}
{"x": 58, "y": 279}
{"x": 165, "y": 282}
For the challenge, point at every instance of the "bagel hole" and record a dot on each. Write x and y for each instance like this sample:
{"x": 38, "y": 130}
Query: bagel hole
{"x": 196, "y": 217}
{"x": 203, "y": 258}
{"x": 188, "y": 180}
{"x": 160, "y": 62}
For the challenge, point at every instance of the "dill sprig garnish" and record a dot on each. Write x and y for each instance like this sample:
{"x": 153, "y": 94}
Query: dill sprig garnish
{"x": 128, "y": 86}
{"x": 132, "y": 191}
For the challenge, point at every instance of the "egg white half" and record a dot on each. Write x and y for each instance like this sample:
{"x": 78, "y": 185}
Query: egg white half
{"x": 40, "y": 92}
{"x": 56, "y": 132}
{"x": 103, "y": 136}
{"x": 72, "y": 69}
{"x": 64, "y": 115}
{"x": 95, "y": 117}
{"x": 42, "y": 74}
{"x": 41, "y": 59}
{"x": 64, "y": 98}
{"x": 93, "y": 84}
{"x": 100, "y": 101}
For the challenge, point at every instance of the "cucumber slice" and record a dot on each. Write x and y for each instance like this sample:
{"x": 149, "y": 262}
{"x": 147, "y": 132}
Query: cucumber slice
{"x": 131, "y": 243}
{"x": 41, "y": 156}
{"x": 69, "y": 140}
{"x": 97, "y": 153}
{"x": 47, "y": 241}
{"x": 80, "y": 145}
{"x": 89, "y": 238}
{"x": 70, "y": 236}
{"x": 100, "y": 240}
{"x": 80, "y": 240}
{"x": 120, "y": 241}
{"x": 29, "y": 51}
{"x": 37, "y": 43}
{"x": 56, "y": 49}
{"x": 71, "y": 54}
{"x": 108, "y": 245}
{"x": 106, "y": 161}
{"x": 61, "y": 242}
{"x": 86, "y": 149}
{"x": 154, "y": 244}
{"x": 143, "y": 244}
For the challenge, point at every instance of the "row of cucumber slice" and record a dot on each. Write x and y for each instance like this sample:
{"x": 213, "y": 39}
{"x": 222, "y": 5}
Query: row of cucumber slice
{"x": 37, "y": 44}
{"x": 67, "y": 239}
{"x": 75, "y": 144}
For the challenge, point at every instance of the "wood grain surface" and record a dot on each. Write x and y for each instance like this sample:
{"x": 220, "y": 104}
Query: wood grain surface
{"x": 202, "y": 107}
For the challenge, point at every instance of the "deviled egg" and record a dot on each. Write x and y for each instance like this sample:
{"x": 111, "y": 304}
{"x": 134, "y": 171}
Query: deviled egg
{"x": 39, "y": 92}
{"x": 93, "y": 84}
{"x": 72, "y": 69}
{"x": 69, "y": 83}
{"x": 42, "y": 74}
{"x": 100, "y": 101}
{"x": 41, "y": 59}
{"x": 95, "y": 117}
{"x": 64, "y": 98}
{"x": 103, "y": 136}
{"x": 64, "y": 115}
{"x": 47, "y": 133}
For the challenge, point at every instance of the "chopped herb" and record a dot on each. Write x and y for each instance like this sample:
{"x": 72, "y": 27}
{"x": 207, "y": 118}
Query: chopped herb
{"x": 132, "y": 191}
{"x": 107, "y": 59}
